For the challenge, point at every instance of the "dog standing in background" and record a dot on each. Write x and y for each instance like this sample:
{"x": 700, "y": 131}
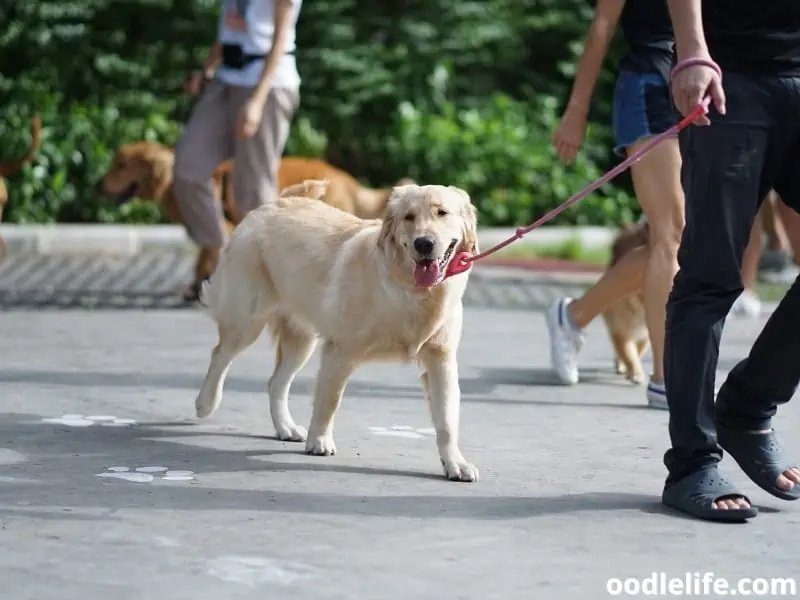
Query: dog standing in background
{"x": 12, "y": 166}
{"x": 625, "y": 321}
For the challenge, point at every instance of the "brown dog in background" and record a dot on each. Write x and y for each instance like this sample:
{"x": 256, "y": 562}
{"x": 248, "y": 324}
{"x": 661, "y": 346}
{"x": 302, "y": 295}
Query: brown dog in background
{"x": 343, "y": 190}
{"x": 144, "y": 170}
{"x": 12, "y": 166}
{"x": 626, "y": 320}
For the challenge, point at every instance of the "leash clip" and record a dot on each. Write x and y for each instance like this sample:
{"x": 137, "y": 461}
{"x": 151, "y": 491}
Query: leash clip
{"x": 461, "y": 263}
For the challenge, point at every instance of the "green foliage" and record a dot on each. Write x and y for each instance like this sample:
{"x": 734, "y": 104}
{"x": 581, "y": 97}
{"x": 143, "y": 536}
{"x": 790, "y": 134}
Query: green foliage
{"x": 499, "y": 149}
{"x": 462, "y": 92}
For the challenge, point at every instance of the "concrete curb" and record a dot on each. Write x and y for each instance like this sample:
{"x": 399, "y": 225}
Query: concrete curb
{"x": 94, "y": 239}
{"x": 136, "y": 254}
{"x": 133, "y": 239}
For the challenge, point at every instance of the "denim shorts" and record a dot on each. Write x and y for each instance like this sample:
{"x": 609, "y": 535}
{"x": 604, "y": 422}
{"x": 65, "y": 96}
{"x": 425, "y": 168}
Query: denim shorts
{"x": 643, "y": 108}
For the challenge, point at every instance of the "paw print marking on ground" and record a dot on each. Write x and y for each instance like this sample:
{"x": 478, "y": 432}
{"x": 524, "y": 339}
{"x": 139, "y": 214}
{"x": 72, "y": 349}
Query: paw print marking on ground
{"x": 146, "y": 474}
{"x": 90, "y": 421}
{"x": 403, "y": 431}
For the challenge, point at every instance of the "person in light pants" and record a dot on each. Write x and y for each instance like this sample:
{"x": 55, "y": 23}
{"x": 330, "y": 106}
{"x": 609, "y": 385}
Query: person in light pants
{"x": 249, "y": 93}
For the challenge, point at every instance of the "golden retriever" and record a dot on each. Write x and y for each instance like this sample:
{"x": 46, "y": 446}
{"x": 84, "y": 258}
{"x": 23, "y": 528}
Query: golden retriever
{"x": 12, "y": 166}
{"x": 625, "y": 321}
{"x": 144, "y": 170}
{"x": 372, "y": 290}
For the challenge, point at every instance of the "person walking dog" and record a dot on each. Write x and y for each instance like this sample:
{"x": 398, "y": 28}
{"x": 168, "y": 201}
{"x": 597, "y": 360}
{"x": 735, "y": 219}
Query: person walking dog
{"x": 745, "y": 56}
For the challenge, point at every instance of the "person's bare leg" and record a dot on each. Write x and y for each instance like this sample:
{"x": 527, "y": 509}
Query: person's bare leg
{"x": 620, "y": 280}
{"x": 752, "y": 256}
{"x": 791, "y": 225}
{"x": 770, "y": 218}
{"x": 657, "y": 183}
{"x": 567, "y": 318}
{"x": 748, "y": 303}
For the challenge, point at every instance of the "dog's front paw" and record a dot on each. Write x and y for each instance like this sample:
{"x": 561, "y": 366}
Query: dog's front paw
{"x": 636, "y": 378}
{"x": 205, "y": 406}
{"x": 321, "y": 445}
{"x": 460, "y": 470}
{"x": 289, "y": 432}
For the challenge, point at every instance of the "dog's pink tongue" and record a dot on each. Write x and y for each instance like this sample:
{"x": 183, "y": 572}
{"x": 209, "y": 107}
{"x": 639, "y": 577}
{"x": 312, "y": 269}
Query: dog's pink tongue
{"x": 426, "y": 274}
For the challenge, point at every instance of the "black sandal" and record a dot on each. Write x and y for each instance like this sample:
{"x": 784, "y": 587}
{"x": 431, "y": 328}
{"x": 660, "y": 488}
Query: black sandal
{"x": 761, "y": 458}
{"x": 191, "y": 294}
{"x": 695, "y": 494}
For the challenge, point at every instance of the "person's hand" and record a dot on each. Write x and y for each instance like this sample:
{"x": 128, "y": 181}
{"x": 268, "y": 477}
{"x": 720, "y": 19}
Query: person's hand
{"x": 692, "y": 84}
{"x": 570, "y": 133}
{"x": 194, "y": 83}
{"x": 249, "y": 118}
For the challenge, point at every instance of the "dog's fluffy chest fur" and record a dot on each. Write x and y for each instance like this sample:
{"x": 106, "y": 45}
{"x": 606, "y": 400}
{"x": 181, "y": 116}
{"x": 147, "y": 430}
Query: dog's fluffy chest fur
{"x": 417, "y": 320}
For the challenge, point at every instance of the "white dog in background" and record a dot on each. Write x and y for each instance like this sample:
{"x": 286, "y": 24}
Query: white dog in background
{"x": 371, "y": 290}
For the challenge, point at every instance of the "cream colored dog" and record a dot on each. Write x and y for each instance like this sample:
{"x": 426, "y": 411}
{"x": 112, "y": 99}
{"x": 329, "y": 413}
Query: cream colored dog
{"x": 372, "y": 290}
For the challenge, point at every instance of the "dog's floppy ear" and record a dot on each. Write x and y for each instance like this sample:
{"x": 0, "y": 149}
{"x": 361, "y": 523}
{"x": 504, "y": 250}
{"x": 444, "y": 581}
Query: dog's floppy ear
{"x": 469, "y": 217}
{"x": 389, "y": 222}
{"x": 158, "y": 180}
{"x": 390, "y": 214}
{"x": 470, "y": 243}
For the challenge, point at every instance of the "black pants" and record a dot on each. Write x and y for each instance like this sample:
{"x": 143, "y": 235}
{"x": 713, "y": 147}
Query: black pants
{"x": 728, "y": 167}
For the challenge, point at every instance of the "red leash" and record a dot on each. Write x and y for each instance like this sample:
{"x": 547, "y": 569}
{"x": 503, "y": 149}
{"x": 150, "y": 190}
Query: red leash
{"x": 461, "y": 261}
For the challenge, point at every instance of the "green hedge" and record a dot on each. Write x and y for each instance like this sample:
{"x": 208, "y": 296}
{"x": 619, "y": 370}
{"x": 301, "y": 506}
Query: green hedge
{"x": 460, "y": 92}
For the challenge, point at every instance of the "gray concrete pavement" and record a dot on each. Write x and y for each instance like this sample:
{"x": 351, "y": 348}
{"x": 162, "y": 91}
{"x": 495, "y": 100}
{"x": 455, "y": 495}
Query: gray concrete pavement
{"x": 568, "y": 496}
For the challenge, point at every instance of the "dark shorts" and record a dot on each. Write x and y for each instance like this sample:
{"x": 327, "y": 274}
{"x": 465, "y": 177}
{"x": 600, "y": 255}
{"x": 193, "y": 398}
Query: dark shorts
{"x": 643, "y": 108}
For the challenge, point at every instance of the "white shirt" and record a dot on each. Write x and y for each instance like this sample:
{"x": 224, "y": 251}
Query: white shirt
{"x": 250, "y": 24}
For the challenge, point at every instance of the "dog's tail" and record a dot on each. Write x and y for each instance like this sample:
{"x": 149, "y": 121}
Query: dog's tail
{"x": 12, "y": 166}
{"x": 629, "y": 237}
{"x": 310, "y": 188}
{"x": 371, "y": 203}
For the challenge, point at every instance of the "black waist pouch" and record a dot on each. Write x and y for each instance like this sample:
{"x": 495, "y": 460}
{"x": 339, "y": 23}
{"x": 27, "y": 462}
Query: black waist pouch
{"x": 234, "y": 57}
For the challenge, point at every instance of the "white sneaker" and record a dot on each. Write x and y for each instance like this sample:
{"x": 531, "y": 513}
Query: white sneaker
{"x": 565, "y": 342}
{"x": 747, "y": 305}
{"x": 657, "y": 395}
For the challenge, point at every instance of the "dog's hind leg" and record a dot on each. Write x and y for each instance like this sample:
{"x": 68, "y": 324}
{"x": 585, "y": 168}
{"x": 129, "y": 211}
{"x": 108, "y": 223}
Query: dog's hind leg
{"x": 619, "y": 368}
{"x": 334, "y": 371}
{"x": 628, "y": 354}
{"x": 294, "y": 347}
{"x": 642, "y": 346}
{"x": 233, "y": 340}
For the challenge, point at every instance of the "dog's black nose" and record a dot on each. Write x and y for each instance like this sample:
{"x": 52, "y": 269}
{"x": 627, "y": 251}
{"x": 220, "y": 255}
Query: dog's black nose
{"x": 424, "y": 246}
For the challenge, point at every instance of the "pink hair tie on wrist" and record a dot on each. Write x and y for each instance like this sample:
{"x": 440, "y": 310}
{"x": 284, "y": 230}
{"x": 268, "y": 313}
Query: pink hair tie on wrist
{"x": 693, "y": 62}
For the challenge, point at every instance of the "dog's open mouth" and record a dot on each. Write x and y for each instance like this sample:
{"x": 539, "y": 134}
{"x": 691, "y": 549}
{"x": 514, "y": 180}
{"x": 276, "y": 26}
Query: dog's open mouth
{"x": 123, "y": 197}
{"x": 129, "y": 193}
{"x": 430, "y": 272}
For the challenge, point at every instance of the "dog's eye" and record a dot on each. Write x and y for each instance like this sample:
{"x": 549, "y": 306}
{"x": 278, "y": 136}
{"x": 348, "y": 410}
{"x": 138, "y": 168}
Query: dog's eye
{"x": 410, "y": 217}
{"x": 442, "y": 212}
